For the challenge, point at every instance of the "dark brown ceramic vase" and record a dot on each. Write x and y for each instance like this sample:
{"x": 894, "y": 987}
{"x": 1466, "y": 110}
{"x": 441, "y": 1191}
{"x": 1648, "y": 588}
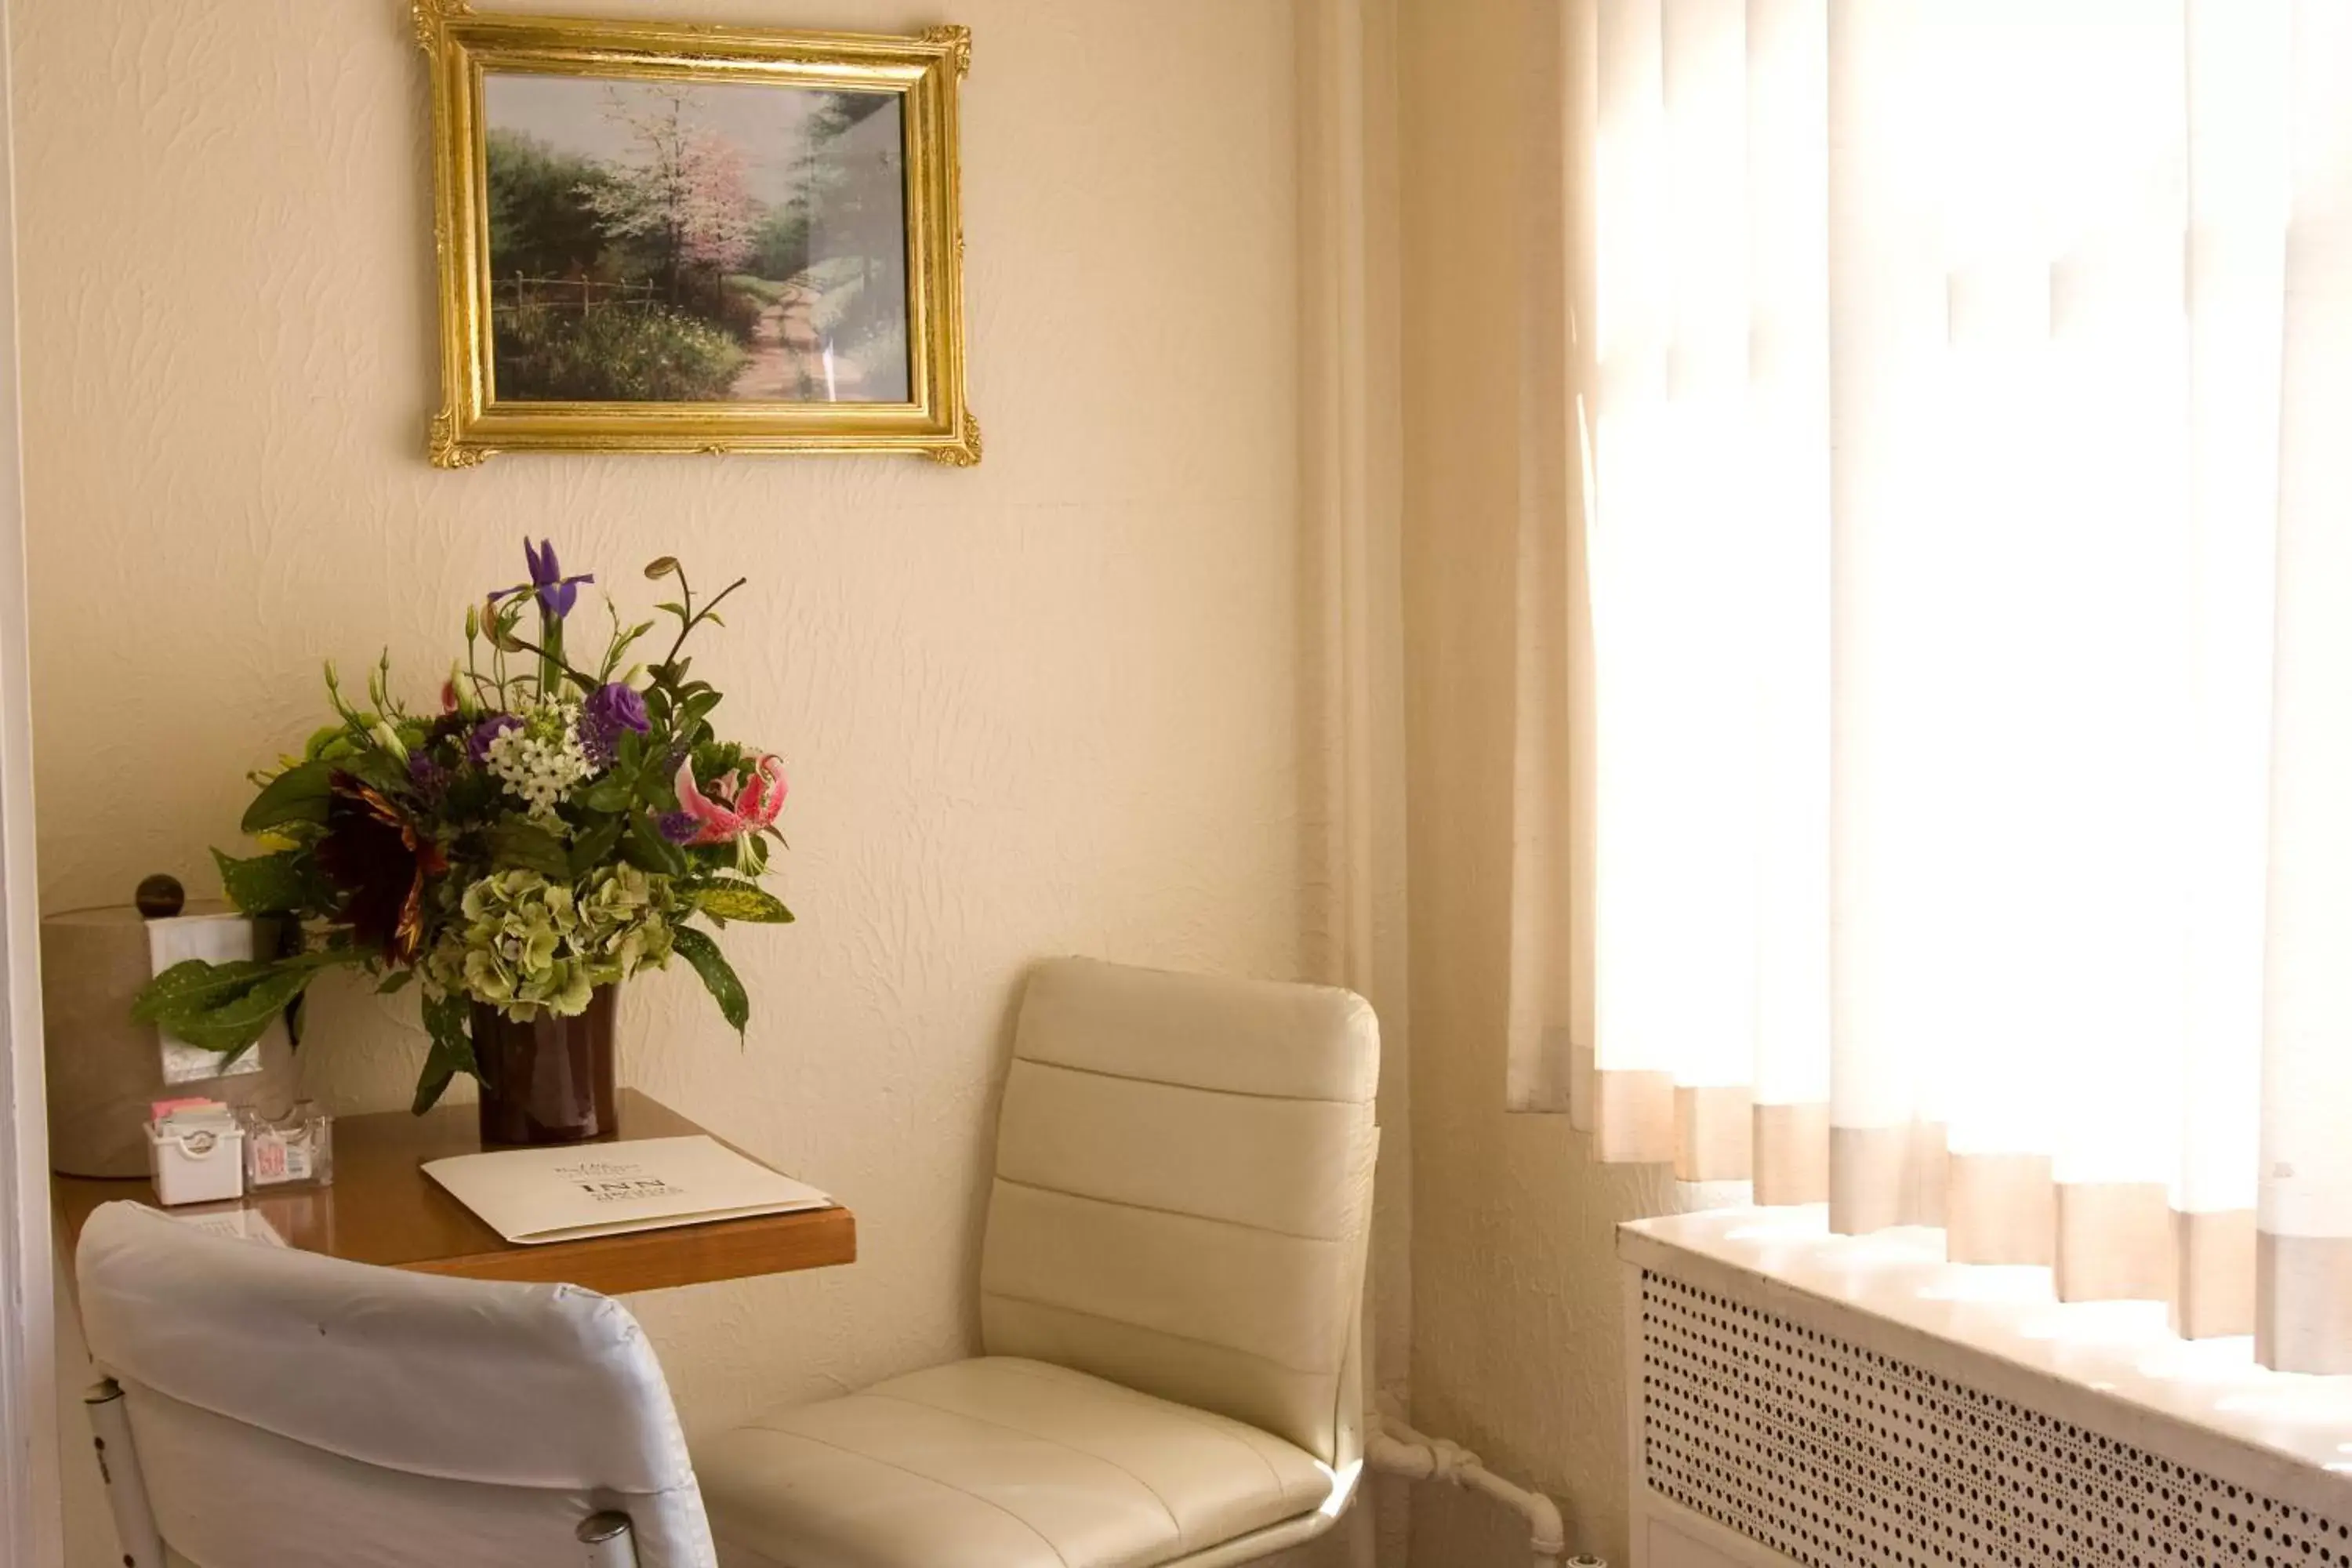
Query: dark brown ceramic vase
{"x": 550, "y": 1080}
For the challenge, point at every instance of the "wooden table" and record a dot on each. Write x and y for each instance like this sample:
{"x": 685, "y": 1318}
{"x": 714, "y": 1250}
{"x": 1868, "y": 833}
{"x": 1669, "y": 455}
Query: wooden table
{"x": 383, "y": 1209}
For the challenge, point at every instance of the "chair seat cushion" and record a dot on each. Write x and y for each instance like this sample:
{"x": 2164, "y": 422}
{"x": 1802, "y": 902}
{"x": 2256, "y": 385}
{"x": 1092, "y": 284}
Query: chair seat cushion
{"x": 995, "y": 1463}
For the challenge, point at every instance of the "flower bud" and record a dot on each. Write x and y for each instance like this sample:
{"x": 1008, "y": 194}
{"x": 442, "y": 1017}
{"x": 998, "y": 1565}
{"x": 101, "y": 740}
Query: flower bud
{"x": 389, "y": 738}
{"x": 473, "y": 623}
{"x": 661, "y": 566}
{"x": 461, "y": 691}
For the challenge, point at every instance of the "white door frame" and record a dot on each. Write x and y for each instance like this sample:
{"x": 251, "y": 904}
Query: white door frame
{"x": 31, "y": 1525}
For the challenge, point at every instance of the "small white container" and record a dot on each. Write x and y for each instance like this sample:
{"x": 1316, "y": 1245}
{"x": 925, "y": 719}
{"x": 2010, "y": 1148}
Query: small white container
{"x": 200, "y": 1166}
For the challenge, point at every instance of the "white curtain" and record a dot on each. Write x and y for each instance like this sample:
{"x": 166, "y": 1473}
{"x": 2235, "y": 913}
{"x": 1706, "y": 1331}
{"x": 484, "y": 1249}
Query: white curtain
{"x": 1968, "y": 537}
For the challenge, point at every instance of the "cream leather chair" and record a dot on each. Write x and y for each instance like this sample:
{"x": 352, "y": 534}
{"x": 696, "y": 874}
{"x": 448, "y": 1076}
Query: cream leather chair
{"x": 1170, "y": 1290}
{"x": 267, "y": 1407}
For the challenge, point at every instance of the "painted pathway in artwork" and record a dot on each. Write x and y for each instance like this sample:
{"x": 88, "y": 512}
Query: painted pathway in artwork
{"x": 787, "y": 361}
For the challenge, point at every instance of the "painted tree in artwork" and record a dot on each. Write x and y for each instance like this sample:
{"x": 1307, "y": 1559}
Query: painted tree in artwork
{"x": 683, "y": 202}
{"x": 717, "y": 217}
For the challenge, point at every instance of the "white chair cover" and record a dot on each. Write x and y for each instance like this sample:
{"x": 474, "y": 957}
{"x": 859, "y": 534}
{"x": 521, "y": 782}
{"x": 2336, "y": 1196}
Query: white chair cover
{"x": 292, "y": 1408}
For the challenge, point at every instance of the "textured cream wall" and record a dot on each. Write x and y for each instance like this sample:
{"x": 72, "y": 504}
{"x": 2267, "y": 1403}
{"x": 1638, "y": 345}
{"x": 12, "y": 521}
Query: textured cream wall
{"x": 1515, "y": 1291}
{"x": 1050, "y": 705}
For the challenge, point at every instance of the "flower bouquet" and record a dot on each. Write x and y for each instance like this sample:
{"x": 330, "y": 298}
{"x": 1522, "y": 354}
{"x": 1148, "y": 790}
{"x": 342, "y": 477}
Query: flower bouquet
{"x": 547, "y": 833}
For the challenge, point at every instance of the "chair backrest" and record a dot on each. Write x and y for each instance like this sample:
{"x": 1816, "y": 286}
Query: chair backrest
{"x": 286, "y": 1407}
{"x": 1183, "y": 1188}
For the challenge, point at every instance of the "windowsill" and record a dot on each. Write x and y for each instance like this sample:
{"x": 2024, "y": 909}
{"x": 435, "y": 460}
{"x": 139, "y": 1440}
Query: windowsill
{"x": 2087, "y": 1362}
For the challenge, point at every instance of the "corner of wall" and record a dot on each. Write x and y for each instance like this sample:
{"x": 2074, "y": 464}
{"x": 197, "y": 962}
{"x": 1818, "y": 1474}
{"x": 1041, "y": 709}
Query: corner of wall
{"x": 1516, "y": 1304}
{"x": 1352, "y": 724}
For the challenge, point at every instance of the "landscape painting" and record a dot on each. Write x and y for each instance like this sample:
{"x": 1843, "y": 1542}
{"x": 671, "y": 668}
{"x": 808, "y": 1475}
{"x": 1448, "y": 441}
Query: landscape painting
{"x": 662, "y": 241}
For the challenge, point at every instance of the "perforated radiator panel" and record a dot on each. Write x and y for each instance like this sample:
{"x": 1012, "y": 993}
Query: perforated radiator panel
{"x": 1836, "y": 1456}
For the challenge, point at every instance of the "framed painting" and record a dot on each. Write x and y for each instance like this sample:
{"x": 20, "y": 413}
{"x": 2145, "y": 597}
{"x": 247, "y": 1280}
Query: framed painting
{"x": 655, "y": 237}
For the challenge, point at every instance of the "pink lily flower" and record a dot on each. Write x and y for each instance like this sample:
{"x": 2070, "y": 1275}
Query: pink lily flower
{"x": 748, "y": 811}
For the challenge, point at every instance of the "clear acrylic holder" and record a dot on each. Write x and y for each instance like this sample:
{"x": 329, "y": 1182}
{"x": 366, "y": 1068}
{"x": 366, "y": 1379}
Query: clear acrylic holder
{"x": 296, "y": 1150}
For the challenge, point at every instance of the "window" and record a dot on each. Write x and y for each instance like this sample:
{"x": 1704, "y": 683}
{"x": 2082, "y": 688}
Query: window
{"x": 1969, "y": 543}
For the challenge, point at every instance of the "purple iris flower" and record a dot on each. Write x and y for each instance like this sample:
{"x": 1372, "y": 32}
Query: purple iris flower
{"x": 478, "y": 744}
{"x": 610, "y": 708}
{"x": 556, "y": 591}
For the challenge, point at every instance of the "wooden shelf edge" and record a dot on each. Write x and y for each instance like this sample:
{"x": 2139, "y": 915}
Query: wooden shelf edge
{"x": 671, "y": 1257}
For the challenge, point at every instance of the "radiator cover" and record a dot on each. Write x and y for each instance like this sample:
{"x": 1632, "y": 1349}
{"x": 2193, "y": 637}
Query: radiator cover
{"x": 1834, "y": 1454}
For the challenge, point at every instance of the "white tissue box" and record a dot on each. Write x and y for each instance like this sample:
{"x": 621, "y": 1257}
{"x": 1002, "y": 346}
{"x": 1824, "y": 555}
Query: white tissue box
{"x": 200, "y": 1166}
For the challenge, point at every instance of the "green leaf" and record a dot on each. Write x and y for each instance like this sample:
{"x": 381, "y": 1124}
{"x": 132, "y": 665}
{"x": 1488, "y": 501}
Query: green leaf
{"x": 718, "y": 977}
{"x": 333, "y": 741}
{"x": 238, "y": 1022}
{"x": 227, "y": 1006}
{"x": 269, "y": 884}
{"x": 452, "y": 1052}
{"x": 297, "y": 794}
{"x": 381, "y": 770}
{"x": 394, "y": 981}
{"x": 596, "y": 847}
{"x": 647, "y": 850}
{"x": 733, "y": 901}
{"x": 610, "y": 792}
{"x": 192, "y": 987}
{"x": 530, "y": 847}
{"x": 472, "y": 795}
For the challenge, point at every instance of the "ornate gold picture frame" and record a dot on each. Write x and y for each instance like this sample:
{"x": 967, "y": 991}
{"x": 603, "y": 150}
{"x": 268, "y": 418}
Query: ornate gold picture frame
{"x": 657, "y": 238}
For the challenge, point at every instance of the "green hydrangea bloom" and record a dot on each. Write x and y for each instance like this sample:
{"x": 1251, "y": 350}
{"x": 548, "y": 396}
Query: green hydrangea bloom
{"x": 521, "y": 942}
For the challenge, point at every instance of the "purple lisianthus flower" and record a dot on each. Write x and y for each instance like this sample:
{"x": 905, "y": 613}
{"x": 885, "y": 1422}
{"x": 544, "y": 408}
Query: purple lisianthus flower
{"x": 478, "y": 744}
{"x": 557, "y": 593}
{"x": 678, "y": 826}
{"x": 610, "y": 708}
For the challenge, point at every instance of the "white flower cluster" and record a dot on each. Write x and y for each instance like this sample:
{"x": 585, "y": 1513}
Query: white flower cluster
{"x": 539, "y": 760}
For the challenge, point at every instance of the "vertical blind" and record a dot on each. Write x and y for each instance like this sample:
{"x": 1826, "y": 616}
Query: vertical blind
{"x": 1968, "y": 539}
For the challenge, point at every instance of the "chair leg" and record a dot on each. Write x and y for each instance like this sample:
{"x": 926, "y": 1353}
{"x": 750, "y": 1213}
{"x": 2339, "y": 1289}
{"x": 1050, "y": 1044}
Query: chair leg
{"x": 605, "y": 1542}
{"x": 126, "y": 1486}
